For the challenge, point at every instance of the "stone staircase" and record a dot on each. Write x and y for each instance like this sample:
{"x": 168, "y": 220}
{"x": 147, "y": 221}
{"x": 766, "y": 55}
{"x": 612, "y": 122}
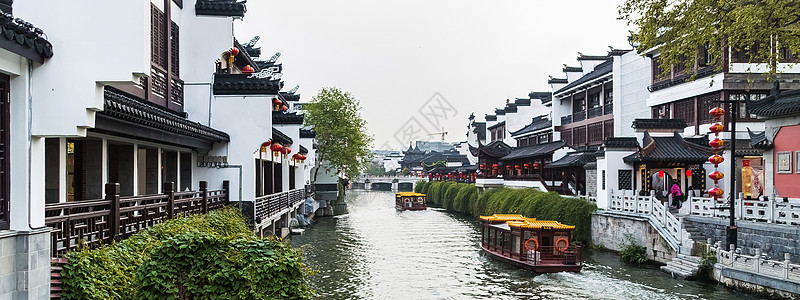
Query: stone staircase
{"x": 682, "y": 266}
{"x": 695, "y": 233}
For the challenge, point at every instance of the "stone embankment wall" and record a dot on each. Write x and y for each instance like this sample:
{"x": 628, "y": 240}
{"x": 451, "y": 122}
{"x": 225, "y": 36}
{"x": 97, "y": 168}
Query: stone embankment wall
{"x": 773, "y": 239}
{"x": 610, "y": 230}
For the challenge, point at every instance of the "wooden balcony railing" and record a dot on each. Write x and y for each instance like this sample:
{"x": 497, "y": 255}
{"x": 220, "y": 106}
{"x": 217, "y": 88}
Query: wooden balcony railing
{"x": 113, "y": 218}
{"x": 579, "y": 116}
{"x": 608, "y": 108}
{"x": 566, "y": 120}
{"x": 595, "y": 112}
{"x": 269, "y": 205}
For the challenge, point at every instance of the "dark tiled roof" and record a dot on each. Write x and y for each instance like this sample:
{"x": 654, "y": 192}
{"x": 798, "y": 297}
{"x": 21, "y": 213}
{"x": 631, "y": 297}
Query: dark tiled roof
{"x": 618, "y": 52}
{"x": 499, "y": 111}
{"x": 592, "y": 57}
{"x": 122, "y": 107}
{"x": 566, "y": 69}
{"x": 621, "y": 142}
{"x": 510, "y": 108}
{"x": 307, "y": 134}
{"x": 557, "y": 80}
{"x": 286, "y": 118}
{"x": 24, "y": 39}
{"x": 280, "y": 137}
{"x": 522, "y": 102}
{"x": 776, "y": 105}
{"x": 497, "y": 125}
{"x": 442, "y": 170}
{"x": 467, "y": 169}
{"x": 669, "y": 149}
{"x": 535, "y": 150}
{"x": 495, "y": 149}
{"x": 490, "y": 117}
{"x": 537, "y": 123}
{"x": 263, "y": 64}
{"x": 290, "y": 96}
{"x": 600, "y": 70}
{"x": 659, "y": 124}
{"x": 229, "y": 8}
{"x": 243, "y": 84}
{"x": 573, "y": 159}
{"x": 473, "y": 150}
{"x": 303, "y": 150}
{"x": 544, "y": 96}
{"x": 759, "y": 140}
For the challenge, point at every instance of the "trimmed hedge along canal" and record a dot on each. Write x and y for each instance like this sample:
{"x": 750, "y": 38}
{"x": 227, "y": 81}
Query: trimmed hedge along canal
{"x": 375, "y": 252}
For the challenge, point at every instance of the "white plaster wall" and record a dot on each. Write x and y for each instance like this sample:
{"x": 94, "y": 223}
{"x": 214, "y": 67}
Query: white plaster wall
{"x": 612, "y": 163}
{"x": 632, "y": 73}
{"x": 108, "y": 47}
{"x": 203, "y": 40}
{"x": 589, "y": 65}
{"x": 685, "y": 90}
{"x": 293, "y": 131}
{"x": 309, "y": 163}
{"x": 762, "y": 68}
{"x": 248, "y": 121}
{"x": 572, "y": 76}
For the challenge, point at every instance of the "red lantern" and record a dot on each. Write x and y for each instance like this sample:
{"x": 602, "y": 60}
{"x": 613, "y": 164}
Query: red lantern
{"x": 688, "y": 173}
{"x": 536, "y": 165}
{"x": 661, "y": 174}
{"x": 296, "y": 156}
{"x": 716, "y": 128}
{"x": 286, "y": 150}
{"x": 284, "y": 108}
{"x": 517, "y": 167}
{"x": 508, "y": 167}
{"x": 276, "y": 148}
{"x": 483, "y": 167}
{"x": 495, "y": 166}
{"x": 716, "y": 192}
{"x": 265, "y": 145}
{"x": 276, "y": 102}
{"x": 745, "y": 163}
{"x": 716, "y": 175}
{"x": 716, "y": 159}
{"x": 248, "y": 69}
{"x": 234, "y": 51}
{"x": 526, "y": 166}
{"x": 716, "y": 112}
{"x": 716, "y": 143}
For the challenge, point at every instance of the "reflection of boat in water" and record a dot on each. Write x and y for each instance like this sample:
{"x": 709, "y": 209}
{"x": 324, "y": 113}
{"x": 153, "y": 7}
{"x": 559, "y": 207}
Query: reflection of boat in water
{"x": 409, "y": 201}
{"x": 539, "y": 246}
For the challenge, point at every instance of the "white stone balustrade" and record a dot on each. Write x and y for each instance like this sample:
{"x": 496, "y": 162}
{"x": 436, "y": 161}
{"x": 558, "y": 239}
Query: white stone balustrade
{"x": 770, "y": 210}
{"x": 778, "y": 269}
{"x": 630, "y": 202}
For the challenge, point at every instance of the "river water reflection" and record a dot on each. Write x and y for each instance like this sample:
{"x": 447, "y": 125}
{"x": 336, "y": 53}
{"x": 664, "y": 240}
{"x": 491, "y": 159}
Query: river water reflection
{"x": 375, "y": 252}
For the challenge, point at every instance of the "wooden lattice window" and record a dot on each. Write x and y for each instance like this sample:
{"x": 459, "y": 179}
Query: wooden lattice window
{"x": 595, "y": 133}
{"x": 579, "y": 136}
{"x": 706, "y": 103}
{"x": 624, "y": 178}
{"x": 566, "y": 136}
{"x": 684, "y": 110}
{"x": 174, "y": 50}
{"x": 608, "y": 129}
{"x": 158, "y": 51}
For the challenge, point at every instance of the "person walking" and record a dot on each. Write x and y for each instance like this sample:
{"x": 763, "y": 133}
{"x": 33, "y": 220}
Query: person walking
{"x": 676, "y": 192}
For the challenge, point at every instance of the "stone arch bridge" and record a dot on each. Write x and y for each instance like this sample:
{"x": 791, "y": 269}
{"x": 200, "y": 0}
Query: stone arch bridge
{"x": 387, "y": 183}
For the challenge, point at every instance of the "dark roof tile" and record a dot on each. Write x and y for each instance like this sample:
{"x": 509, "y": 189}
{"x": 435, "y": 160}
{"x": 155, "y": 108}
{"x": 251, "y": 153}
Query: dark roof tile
{"x": 24, "y": 39}
{"x": 534, "y": 151}
{"x": 495, "y": 149}
{"x": 573, "y": 159}
{"x": 244, "y": 84}
{"x": 307, "y": 134}
{"x": 600, "y": 70}
{"x": 659, "y": 124}
{"x": 537, "y": 123}
{"x": 669, "y": 149}
{"x": 621, "y": 142}
{"x": 229, "y": 8}
{"x": 497, "y": 125}
{"x": 280, "y": 137}
{"x": 279, "y": 117}
{"x": 777, "y": 104}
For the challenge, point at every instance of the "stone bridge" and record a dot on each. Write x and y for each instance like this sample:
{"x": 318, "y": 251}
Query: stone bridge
{"x": 387, "y": 183}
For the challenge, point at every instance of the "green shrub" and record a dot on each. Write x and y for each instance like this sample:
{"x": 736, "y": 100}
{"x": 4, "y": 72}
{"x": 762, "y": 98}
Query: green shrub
{"x": 632, "y": 252}
{"x": 109, "y": 272}
{"x": 707, "y": 261}
{"x": 419, "y": 185}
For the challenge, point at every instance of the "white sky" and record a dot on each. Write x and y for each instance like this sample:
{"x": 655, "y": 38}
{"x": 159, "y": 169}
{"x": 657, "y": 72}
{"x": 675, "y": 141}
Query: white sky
{"x": 395, "y": 56}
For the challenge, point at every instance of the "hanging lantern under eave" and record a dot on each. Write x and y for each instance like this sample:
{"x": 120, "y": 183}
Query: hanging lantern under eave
{"x": 276, "y": 102}
{"x": 518, "y": 167}
{"x": 716, "y": 112}
{"x": 284, "y": 108}
{"x": 715, "y": 192}
{"x": 716, "y": 143}
{"x": 248, "y": 70}
{"x": 661, "y": 174}
{"x": 716, "y": 128}
{"x": 483, "y": 167}
{"x": 495, "y": 166}
{"x": 276, "y": 148}
{"x": 234, "y": 51}
{"x": 716, "y": 176}
{"x": 536, "y": 165}
{"x": 526, "y": 166}
{"x": 716, "y": 159}
{"x": 688, "y": 173}
{"x": 265, "y": 146}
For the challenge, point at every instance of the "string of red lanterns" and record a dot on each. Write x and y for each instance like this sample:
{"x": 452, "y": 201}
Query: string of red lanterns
{"x": 716, "y": 159}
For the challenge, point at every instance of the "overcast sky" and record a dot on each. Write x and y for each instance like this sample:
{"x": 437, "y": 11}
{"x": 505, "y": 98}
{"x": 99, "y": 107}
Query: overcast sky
{"x": 395, "y": 56}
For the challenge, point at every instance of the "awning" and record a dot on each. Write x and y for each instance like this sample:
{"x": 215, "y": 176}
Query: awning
{"x": 669, "y": 149}
{"x": 573, "y": 159}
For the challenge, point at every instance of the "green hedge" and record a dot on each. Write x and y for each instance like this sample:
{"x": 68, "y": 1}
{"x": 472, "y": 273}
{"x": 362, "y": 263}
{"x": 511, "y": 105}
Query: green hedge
{"x": 464, "y": 198}
{"x": 185, "y": 258}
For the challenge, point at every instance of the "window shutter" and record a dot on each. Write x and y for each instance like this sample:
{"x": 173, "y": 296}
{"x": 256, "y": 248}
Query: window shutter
{"x": 174, "y": 50}
{"x": 158, "y": 53}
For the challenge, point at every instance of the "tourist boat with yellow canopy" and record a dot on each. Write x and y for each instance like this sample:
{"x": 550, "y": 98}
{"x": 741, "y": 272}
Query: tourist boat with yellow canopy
{"x": 539, "y": 246}
{"x": 409, "y": 201}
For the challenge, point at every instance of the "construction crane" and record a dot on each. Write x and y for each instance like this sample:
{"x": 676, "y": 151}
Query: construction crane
{"x": 443, "y": 133}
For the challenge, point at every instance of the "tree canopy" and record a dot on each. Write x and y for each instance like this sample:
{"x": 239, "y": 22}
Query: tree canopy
{"x": 686, "y": 31}
{"x": 342, "y": 138}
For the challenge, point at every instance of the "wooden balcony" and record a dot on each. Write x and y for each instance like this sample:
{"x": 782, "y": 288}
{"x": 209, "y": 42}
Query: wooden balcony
{"x": 566, "y": 120}
{"x": 271, "y": 205}
{"x": 113, "y": 218}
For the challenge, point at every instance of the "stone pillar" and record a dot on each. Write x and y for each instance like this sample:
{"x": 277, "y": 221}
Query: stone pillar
{"x": 25, "y": 264}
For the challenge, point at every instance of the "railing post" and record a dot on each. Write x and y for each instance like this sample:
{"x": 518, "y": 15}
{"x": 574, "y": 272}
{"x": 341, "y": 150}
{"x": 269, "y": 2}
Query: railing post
{"x": 786, "y": 263}
{"x": 204, "y": 195}
{"x": 112, "y": 194}
{"x": 771, "y": 209}
{"x": 168, "y": 189}
{"x": 226, "y": 186}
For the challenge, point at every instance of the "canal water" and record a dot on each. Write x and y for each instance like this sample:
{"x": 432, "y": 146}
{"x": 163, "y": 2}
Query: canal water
{"x": 375, "y": 252}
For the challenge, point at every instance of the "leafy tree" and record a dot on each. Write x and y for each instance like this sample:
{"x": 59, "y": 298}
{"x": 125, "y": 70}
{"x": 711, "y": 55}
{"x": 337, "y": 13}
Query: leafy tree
{"x": 375, "y": 169}
{"x": 342, "y": 139}
{"x": 768, "y": 30}
{"x": 404, "y": 172}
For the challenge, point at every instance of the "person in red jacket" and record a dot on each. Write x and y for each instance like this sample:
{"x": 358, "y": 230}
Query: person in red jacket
{"x": 676, "y": 192}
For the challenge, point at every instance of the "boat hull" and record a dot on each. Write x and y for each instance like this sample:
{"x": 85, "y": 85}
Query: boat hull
{"x": 536, "y": 268}
{"x": 401, "y": 208}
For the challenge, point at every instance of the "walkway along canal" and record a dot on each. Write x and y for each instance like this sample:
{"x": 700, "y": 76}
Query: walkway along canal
{"x": 375, "y": 252}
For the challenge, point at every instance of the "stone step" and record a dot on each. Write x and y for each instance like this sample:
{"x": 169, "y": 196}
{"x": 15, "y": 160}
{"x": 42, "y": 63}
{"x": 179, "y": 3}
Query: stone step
{"x": 694, "y": 259}
{"x": 680, "y": 267}
{"x": 676, "y": 272}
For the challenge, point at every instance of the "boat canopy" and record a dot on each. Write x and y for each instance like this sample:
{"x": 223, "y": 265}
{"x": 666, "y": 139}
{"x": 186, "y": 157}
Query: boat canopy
{"x": 406, "y": 194}
{"x": 497, "y": 218}
{"x": 534, "y": 224}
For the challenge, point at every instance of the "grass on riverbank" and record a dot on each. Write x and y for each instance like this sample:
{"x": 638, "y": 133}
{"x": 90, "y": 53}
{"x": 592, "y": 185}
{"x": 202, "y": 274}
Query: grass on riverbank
{"x": 464, "y": 198}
